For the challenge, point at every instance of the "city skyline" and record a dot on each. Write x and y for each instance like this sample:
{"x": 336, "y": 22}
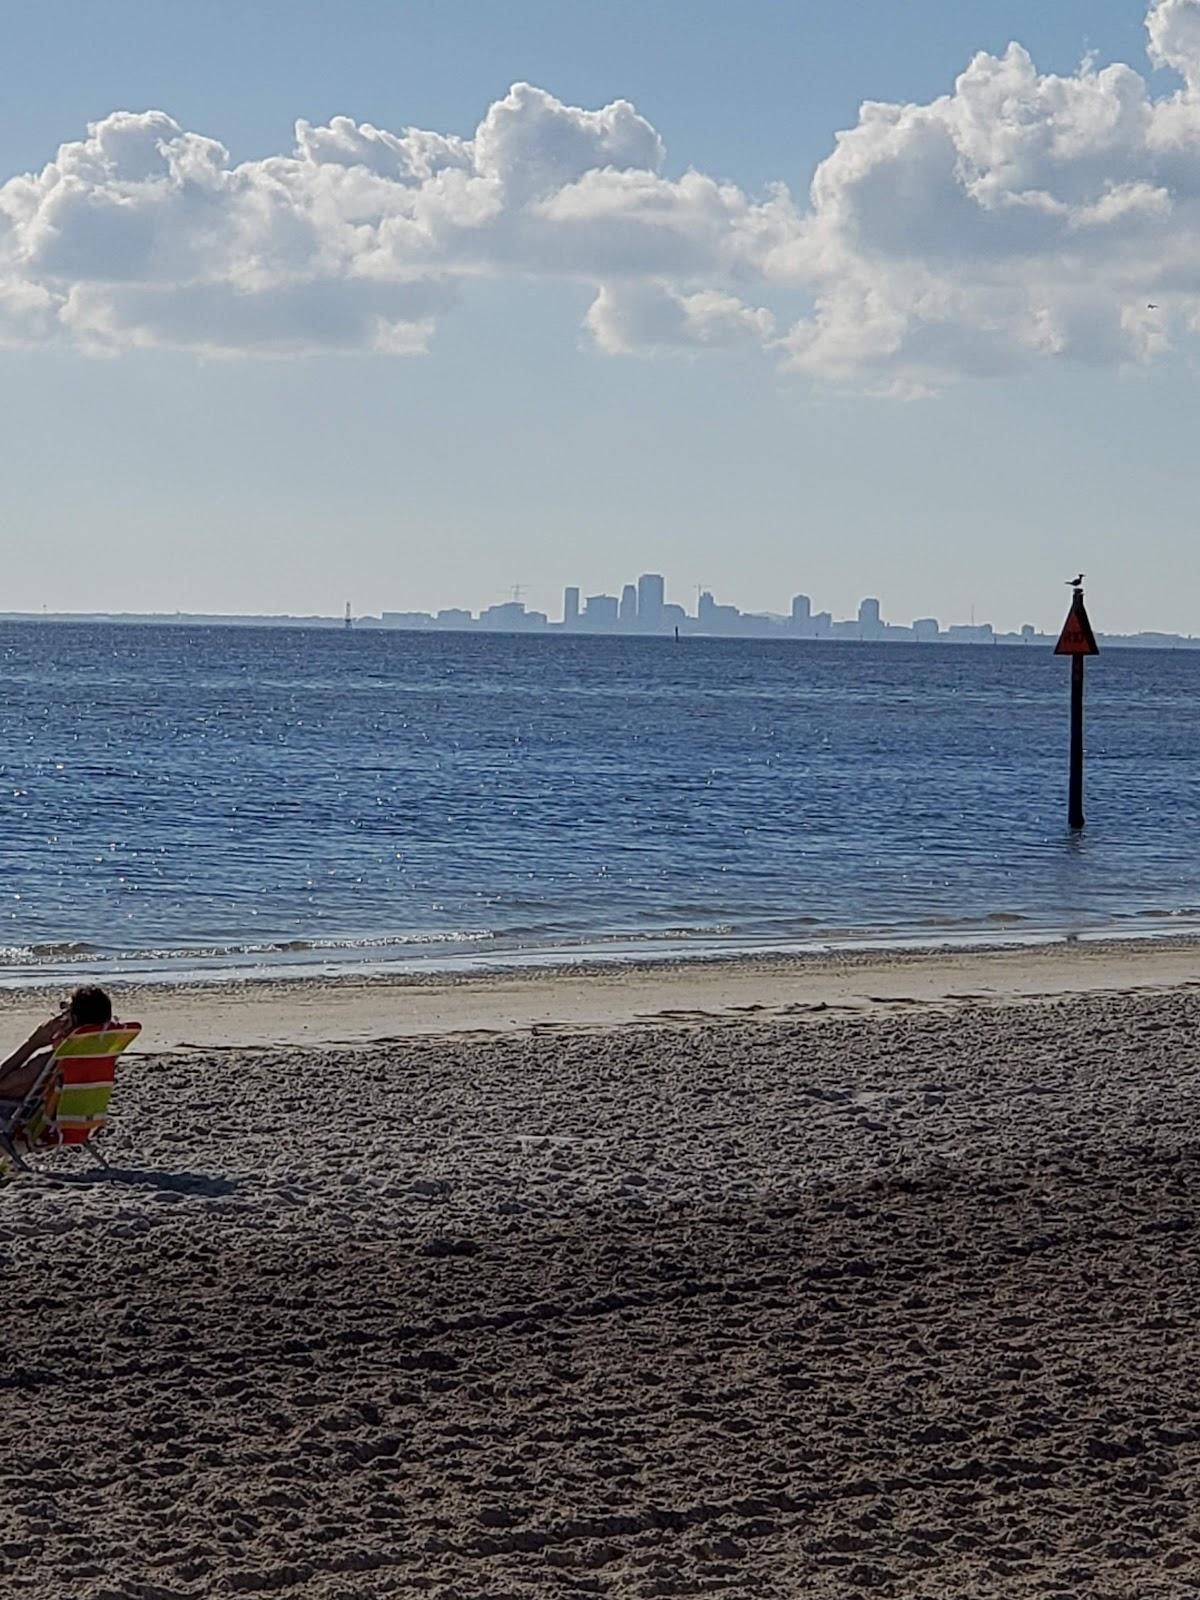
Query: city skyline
{"x": 642, "y": 608}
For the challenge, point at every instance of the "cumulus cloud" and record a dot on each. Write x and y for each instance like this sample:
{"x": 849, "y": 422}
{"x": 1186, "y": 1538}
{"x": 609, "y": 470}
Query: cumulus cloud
{"x": 644, "y": 317}
{"x": 145, "y": 235}
{"x": 1019, "y": 218}
{"x": 1174, "y": 29}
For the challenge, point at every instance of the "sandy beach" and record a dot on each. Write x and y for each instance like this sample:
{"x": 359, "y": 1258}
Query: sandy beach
{"x": 346, "y": 1008}
{"x": 873, "y": 1276}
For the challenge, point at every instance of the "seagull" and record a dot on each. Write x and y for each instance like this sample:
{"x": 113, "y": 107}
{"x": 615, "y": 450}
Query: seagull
{"x": 1075, "y": 582}
{"x": 1150, "y": 306}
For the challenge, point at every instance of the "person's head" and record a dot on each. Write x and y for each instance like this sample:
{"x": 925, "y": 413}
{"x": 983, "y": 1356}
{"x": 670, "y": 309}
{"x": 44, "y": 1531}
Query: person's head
{"x": 89, "y": 1005}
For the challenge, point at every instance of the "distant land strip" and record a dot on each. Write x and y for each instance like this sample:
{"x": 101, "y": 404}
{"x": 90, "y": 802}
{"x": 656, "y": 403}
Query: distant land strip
{"x": 745, "y": 626}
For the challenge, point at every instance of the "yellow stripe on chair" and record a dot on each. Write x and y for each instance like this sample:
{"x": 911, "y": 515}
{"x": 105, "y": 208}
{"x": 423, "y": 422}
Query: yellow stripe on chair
{"x": 97, "y": 1042}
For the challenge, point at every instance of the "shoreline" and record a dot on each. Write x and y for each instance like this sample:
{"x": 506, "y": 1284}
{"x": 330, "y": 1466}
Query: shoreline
{"x": 477, "y": 956}
{"x": 361, "y": 1009}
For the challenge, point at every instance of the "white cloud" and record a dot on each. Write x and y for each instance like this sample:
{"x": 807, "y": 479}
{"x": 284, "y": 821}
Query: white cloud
{"x": 1174, "y": 28}
{"x": 1018, "y": 218}
{"x": 533, "y": 144}
{"x": 146, "y": 235}
{"x": 221, "y": 319}
{"x": 644, "y": 317}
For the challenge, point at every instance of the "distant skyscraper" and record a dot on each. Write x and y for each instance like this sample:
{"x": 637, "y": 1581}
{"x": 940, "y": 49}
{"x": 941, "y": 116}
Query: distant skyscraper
{"x": 869, "y": 624}
{"x": 570, "y": 607}
{"x": 600, "y": 611}
{"x": 627, "y": 614}
{"x": 511, "y": 617}
{"x": 407, "y": 619}
{"x": 650, "y": 591}
{"x": 801, "y": 610}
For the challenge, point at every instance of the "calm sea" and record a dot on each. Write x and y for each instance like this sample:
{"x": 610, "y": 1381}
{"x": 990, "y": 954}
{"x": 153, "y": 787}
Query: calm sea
{"x": 187, "y": 800}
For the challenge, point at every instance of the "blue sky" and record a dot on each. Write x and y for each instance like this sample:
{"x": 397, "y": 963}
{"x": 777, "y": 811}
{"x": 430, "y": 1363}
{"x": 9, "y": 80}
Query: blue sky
{"x": 699, "y": 422}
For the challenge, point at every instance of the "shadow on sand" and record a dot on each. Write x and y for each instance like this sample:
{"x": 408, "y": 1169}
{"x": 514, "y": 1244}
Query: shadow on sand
{"x": 188, "y": 1183}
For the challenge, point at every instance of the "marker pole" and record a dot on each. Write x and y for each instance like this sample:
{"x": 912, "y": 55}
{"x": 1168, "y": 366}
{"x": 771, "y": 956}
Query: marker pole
{"x": 1076, "y": 640}
{"x": 1075, "y": 795}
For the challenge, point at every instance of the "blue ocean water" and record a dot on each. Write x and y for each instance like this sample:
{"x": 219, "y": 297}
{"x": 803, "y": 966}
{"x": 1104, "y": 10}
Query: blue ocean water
{"x": 197, "y": 799}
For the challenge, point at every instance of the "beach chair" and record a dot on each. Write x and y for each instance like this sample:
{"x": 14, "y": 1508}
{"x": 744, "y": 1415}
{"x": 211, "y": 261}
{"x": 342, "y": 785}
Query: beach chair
{"x": 68, "y": 1104}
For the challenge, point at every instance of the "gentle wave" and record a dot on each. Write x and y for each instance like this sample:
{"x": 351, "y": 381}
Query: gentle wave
{"x": 15, "y": 955}
{"x": 370, "y": 942}
{"x": 467, "y": 951}
{"x": 76, "y": 951}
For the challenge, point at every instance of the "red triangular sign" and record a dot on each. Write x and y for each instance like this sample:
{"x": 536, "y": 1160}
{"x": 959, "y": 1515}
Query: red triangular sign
{"x": 1077, "y": 638}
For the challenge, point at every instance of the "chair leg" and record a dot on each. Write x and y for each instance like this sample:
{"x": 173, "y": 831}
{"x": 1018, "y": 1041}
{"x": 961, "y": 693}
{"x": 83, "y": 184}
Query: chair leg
{"x": 95, "y": 1154}
{"x": 10, "y": 1150}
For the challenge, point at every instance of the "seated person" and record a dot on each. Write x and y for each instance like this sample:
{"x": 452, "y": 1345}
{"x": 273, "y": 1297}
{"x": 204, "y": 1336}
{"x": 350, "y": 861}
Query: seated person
{"x": 20, "y": 1072}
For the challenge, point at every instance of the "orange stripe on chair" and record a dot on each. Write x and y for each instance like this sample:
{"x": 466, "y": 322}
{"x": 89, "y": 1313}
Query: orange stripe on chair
{"x": 79, "y": 1133}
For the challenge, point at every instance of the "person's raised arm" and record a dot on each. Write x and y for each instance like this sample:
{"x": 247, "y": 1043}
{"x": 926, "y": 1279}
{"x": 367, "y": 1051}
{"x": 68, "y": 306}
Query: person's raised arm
{"x": 45, "y": 1037}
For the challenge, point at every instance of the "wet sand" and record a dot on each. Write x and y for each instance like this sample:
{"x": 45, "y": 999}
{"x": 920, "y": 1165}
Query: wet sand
{"x": 900, "y": 1299}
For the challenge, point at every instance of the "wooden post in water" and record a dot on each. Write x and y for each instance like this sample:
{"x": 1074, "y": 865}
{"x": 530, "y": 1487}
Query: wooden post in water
{"x": 1077, "y": 641}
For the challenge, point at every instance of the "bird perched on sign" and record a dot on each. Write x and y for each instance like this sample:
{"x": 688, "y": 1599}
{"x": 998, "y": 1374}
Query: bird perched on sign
{"x": 1074, "y": 583}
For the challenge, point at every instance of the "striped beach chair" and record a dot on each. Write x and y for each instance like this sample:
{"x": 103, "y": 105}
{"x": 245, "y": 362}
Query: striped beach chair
{"x": 68, "y": 1105}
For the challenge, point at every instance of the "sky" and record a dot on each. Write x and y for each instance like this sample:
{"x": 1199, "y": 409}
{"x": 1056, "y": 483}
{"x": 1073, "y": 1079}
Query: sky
{"x": 415, "y": 305}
